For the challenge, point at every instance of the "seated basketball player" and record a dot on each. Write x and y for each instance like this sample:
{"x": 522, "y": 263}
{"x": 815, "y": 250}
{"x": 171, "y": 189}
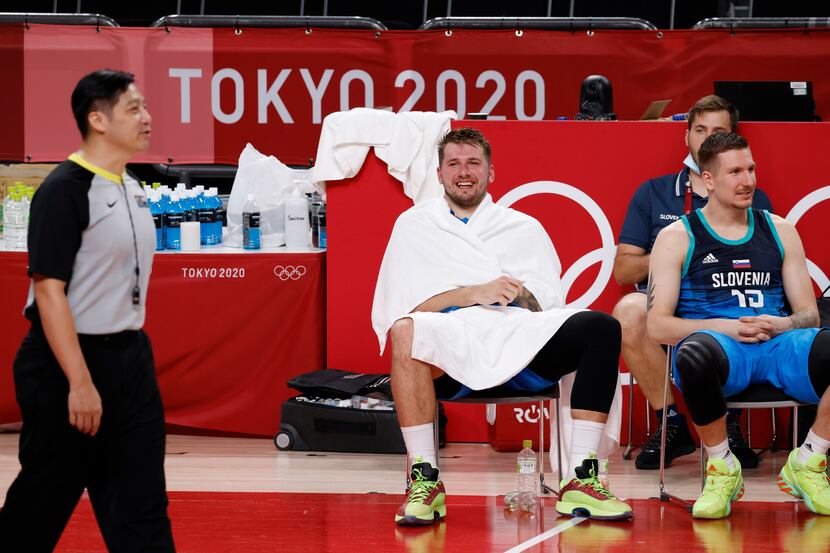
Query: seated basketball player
{"x": 470, "y": 298}
{"x": 720, "y": 280}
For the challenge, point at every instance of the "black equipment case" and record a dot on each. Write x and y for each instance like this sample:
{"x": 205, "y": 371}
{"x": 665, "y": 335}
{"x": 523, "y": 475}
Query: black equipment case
{"x": 308, "y": 424}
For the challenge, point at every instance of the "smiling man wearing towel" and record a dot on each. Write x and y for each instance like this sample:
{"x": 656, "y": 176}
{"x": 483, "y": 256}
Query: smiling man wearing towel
{"x": 469, "y": 296}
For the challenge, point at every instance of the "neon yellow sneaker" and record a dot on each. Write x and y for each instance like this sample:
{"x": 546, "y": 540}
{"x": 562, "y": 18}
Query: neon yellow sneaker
{"x": 808, "y": 482}
{"x": 425, "y": 501}
{"x": 723, "y": 486}
{"x": 584, "y": 495}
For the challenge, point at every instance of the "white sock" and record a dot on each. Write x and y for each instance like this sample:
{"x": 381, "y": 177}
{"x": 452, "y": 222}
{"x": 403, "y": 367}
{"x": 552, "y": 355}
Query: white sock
{"x": 721, "y": 451}
{"x": 585, "y": 436}
{"x": 420, "y": 442}
{"x": 813, "y": 444}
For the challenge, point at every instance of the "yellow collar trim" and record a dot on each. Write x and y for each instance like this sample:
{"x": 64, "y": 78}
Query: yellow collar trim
{"x": 95, "y": 169}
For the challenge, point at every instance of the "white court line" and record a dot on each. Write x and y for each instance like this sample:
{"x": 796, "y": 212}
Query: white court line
{"x": 558, "y": 529}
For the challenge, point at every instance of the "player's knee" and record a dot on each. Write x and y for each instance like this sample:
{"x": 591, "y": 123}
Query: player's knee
{"x": 401, "y": 333}
{"x": 630, "y": 311}
{"x": 699, "y": 357}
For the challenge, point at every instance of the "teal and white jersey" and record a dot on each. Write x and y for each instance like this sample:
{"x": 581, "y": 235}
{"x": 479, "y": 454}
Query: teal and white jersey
{"x": 731, "y": 278}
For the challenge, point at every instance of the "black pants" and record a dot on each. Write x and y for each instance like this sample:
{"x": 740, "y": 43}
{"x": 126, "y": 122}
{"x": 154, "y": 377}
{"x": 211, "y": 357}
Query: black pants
{"x": 122, "y": 467}
{"x": 588, "y": 343}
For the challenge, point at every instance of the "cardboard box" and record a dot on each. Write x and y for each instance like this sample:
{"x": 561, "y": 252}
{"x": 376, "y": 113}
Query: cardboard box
{"x": 30, "y": 174}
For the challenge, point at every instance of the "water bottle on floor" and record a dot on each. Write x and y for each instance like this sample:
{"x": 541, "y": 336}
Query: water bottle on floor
{"x": 524, "y": 498}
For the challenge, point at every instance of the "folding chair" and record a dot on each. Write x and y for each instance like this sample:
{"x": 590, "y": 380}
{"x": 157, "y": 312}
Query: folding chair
{"x": 756, "y": 396}
{"x": 502, "y": 395}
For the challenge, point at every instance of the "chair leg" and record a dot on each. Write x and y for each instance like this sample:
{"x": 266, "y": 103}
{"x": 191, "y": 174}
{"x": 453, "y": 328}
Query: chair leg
{"x": 795, "y": 428}
{"x": 664, "y": 494}
{"x": 774, "y": 445}
{"x": 630, "y": 446}
{"x": 543, "y": 488}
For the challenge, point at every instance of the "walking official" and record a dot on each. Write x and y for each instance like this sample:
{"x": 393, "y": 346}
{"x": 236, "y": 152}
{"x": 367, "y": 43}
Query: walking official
{"x": 84, "y": 375}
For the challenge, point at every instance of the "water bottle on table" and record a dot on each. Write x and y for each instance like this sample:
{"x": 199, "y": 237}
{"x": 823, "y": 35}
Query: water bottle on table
{"x": 250, "y": 224}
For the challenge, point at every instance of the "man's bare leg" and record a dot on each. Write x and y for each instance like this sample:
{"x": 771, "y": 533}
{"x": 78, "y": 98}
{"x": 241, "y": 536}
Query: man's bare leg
{"x": 411, "y": 379}
{"x": 713, "y": 433}
{"x": 415, "y": 404}
{"x": 644, "y": 358}
{"x": 646, "y": 361}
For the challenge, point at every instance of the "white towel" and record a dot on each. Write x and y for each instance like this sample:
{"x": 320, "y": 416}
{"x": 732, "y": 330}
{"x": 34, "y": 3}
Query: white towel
{"x": 406, "y": 142}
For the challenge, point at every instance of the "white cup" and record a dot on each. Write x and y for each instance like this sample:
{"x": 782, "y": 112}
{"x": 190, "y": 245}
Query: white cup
{"x": 191, "y": 237}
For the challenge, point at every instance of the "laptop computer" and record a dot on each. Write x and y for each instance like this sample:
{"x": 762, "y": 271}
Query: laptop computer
{"x": 770, "y": 100}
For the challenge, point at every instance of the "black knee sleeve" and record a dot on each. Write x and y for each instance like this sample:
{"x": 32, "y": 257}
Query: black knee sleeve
{"x": 598, "y": 367}
{"x": 818, "y": 362}
{"x": 703, "y": 368}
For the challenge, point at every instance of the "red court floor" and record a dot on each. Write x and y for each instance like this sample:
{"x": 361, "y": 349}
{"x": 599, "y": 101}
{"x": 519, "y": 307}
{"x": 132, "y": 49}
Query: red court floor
{"x": 207, "y": 522}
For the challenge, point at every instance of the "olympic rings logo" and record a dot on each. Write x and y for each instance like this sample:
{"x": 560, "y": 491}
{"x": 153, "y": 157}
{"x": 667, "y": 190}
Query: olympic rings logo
{"x": 605, "y": 254}
{"x": 289, "y": 272}
{"x": 804, "y": 205}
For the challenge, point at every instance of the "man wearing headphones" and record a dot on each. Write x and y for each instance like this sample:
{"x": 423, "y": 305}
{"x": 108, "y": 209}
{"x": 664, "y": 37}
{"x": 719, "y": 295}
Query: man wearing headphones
{"x": 84, "y": 375}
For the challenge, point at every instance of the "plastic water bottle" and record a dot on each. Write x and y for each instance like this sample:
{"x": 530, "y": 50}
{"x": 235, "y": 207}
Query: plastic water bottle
{"x": 322, "y": 237}
{"x": 524, "y": 497}
{"x": 219, "y": 210}
{"x": 296, "y": 221}
{"x": 207, "y": 219}
{"x": 250, "y": 224}
{"x": 315, "y": 203}
{"x": 173, "y": 217}
{"x": 15, "y": 222}
{"x": 157, "y": 212}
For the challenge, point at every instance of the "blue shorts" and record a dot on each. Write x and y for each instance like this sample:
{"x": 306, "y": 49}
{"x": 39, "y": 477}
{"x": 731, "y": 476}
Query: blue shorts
{"x": 781, "y": 362}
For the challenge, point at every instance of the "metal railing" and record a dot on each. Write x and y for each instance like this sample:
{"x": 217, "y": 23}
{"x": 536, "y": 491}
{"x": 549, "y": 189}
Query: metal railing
{"x": 735, "y": 23}
{"x": 271, "y": 21}
{"x": 545, "y": 23}
{"x": 96, "y": 19}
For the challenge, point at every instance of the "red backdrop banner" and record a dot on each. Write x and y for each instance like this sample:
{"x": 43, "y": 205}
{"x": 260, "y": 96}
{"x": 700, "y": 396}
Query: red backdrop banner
{"x": 577, "y": 179}
{"x": 212, "y": 90}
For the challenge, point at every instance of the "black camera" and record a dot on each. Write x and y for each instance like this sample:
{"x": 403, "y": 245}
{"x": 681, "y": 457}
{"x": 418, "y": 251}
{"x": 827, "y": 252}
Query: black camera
{"x": 596, "y": 100}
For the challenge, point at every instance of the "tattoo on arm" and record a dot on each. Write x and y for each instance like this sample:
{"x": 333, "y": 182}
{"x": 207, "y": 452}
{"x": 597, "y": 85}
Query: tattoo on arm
{"x": 650, "y": 292}
{"x": 528, "y": 301}
{"x": 804, "y": 319}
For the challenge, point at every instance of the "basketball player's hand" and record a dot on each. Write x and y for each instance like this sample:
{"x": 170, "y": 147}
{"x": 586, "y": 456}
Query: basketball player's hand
{"x": 769, "y": 324}
{"x": 753, "y": 332}
{"x": 502, "y": 291}
{"x": 85, "y": 407}
{"x": 748, "y": 333}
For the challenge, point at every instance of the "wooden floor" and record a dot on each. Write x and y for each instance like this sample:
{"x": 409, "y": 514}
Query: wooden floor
{"x": 299, "y": 494}
{"x": 196, "y": 463}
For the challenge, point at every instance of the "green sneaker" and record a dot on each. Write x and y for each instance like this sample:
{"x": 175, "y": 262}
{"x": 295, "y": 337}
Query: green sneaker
{"x": 425, "y": 501}
{"x": 808, "y": 482}
{"x": 723, "y": 486}
{"x": 585, "y": 495}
